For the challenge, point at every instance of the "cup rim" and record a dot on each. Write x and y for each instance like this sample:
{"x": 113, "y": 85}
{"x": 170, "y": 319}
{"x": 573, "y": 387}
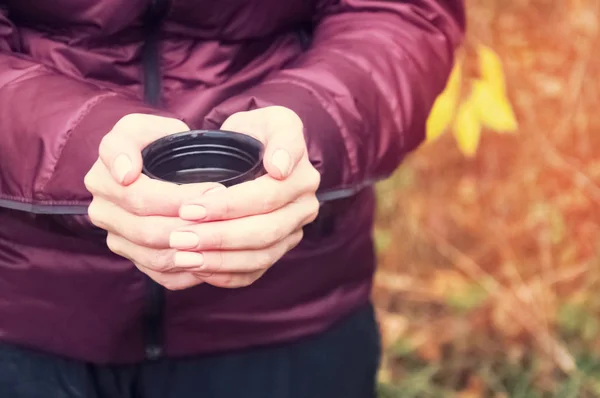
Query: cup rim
{"x": 183, "y": 136}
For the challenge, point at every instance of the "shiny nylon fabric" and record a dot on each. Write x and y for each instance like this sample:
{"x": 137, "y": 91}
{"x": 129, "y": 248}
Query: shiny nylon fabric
{"x": 70, "y": 70}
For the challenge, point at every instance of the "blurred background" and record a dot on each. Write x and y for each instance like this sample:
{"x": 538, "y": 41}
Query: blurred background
{"x": 489, "y": 235}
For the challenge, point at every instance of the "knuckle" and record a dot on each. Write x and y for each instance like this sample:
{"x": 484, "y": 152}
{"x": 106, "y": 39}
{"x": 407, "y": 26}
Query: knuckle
{"x": 271, "y": 235}
{"x": 278, "y": 233}
{"x": 311, "y": 218}
{"x": 168, "y": 283}
{"x": 218, "y": 239}
{"x": 89, "y": 181}
{"x": 251, "y": 278}
{"x": 147, "y": 236}
{"x": 121, "y": 198}
{"x": 219, "y": 262}
{"x": 93, "y": 181}
{"x": 236, "y": 281}
{"x": 314, "y": 179}
{"x": 92, "y": 209}
{"x": 296, "y": 240}
{"x": 113, "y": 244}
{"x": 269, "y": 202}
{"x": 265, "y": 260}
{"x": 107, "y": 146}
{"x": 315, "y": 204}
{"x": 159, "y": 261}
{"x": 171, "y": 282}
{"x": 317, "y": 178}
{"x": 313, "y": 208}
{"x": 95, "y": 214}
{"x": 214, "y": 261}
{"x": 244, "y": 280}
{"x": 227, "y": 281}
{"x": 104, "y": 144}
{"x": 136, "y": 204}
{"x": 226, "y": 206}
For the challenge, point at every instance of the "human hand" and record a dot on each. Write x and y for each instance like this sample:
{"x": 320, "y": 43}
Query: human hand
{"x": 241, "y": 231}
{"x": 140, "y": 213}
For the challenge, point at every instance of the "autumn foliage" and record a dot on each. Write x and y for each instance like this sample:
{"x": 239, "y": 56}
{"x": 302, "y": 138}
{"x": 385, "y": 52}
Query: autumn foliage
{"x": 489, "y": 235}
{"x": 485, "y": 105}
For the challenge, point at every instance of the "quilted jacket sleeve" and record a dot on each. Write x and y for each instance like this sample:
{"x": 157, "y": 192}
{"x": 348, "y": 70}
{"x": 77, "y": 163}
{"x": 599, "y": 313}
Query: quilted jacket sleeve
{"x": 50, "y": 129}
{"x": 365, "y": 86}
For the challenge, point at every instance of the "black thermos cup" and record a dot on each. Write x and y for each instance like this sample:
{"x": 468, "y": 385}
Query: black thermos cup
{"x": 204, "y": 156}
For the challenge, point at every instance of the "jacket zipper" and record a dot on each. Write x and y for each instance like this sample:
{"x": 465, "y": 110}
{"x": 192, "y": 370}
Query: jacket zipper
{"x": 155, "y": 294}
{"x": 150, "y": 56}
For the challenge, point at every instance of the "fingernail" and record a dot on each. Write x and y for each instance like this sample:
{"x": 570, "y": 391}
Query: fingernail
{"x": 281, "y": 160}
{"x": 122, "y": 165}
{"x": 188, "y": 259}
{"x": 183, "y": 240}
{"x": 192, "y": 212}
{"x": 203, "y": 274}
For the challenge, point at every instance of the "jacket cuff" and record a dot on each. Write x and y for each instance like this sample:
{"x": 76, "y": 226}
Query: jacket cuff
{"x": 326, "y": 149}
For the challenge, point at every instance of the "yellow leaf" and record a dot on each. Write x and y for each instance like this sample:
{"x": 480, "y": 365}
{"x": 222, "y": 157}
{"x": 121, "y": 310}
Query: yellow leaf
{"x": 467, "y": 128}
{"x": 440, "y": 117}
{"x": 444, "y": 107}
{"x": 493, "y": 108}
{"x": 490, "y": 67}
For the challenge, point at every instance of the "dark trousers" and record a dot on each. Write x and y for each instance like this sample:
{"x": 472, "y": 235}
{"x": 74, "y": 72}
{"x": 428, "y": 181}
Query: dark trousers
{"x": 341, "y": 363}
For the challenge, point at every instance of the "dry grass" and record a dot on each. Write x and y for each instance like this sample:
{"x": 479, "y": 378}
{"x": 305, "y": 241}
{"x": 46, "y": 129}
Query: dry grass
{"x": 491, "y": 265}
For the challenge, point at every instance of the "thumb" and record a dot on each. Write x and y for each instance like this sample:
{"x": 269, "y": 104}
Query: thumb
{"x": 121, "y": 149}
{"x": 280, "y": 130}
{"x": 282, "y": 154}
{"x": 285, "y": 144}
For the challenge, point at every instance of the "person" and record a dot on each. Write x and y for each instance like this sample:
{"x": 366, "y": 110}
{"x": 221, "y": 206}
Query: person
{"x": 116, "y": 285}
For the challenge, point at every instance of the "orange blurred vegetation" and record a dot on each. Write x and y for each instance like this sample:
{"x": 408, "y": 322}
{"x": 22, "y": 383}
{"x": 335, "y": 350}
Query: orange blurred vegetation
{"x": 490, "y": 257}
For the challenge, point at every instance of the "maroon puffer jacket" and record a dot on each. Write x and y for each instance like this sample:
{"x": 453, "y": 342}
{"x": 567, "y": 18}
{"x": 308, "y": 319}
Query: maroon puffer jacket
{"x": 362, "y": 75}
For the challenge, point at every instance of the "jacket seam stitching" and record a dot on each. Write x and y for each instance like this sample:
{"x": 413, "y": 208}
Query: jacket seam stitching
{"x": 24, "y": 200}
{"x": 66, "y": 137}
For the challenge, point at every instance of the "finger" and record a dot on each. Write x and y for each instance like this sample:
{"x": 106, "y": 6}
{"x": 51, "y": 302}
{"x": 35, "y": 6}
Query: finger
{"x": 149, "y": 231}
{"x": 232, "y": 281}
{"x": 173, "y": 280}
{"x": 285, "y": 145}
{"x": 259, "y": 196}
{"x": 120, "y": 150}
{"x": 158, "y": 260}
{"x": 251, "y": 123}
{"x": 157, "y": 264}
{"x": 282, "y": 132}
{"x": 242, "y": 261}
{"x": 144, "y": 197}
{"x": 248, "y": 233}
